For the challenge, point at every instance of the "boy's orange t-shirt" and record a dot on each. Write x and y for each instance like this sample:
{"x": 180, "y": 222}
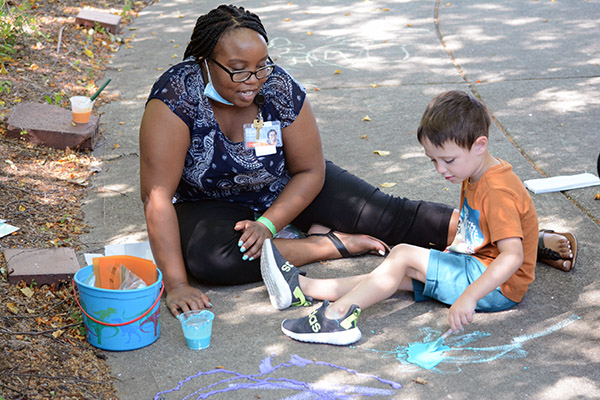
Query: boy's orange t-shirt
{"x": 497, "y": 207}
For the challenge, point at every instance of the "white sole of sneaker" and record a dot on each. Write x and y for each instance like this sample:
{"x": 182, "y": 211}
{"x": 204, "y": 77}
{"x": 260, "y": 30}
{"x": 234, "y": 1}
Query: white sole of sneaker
{"x": 279, "y": 291}
{"x": 340, "y": 338}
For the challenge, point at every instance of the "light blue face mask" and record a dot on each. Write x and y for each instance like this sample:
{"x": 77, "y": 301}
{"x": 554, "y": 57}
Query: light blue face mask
{"x": 211, "y": 92}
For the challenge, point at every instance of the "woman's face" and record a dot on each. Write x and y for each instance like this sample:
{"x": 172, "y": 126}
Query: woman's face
{"x": 240, "y": 49}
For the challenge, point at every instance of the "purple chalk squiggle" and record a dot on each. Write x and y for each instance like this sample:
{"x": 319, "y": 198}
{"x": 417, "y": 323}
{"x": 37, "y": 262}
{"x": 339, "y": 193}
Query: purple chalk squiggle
{"x": 260, "y": 381}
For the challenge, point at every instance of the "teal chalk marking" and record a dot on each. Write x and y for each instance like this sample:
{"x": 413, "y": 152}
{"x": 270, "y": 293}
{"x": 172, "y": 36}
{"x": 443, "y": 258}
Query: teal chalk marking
{"x": 458, "y": 353}
{"x": 426, "y": 356}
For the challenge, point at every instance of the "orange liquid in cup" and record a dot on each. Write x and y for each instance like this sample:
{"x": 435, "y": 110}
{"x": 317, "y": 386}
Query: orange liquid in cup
{"x": 82, "y": 118}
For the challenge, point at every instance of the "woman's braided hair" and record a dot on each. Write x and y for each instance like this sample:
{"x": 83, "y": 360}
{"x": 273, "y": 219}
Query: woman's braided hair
{"x": 209, "y": 28}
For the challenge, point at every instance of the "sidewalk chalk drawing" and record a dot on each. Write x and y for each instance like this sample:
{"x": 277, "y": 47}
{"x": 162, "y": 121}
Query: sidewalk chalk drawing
{"x": 458, "y": 349}
{"x": 341, "y": 52}
{"x": 230, "y": 381}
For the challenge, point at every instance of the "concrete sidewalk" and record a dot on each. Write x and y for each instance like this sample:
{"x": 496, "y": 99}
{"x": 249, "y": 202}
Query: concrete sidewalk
{"x": 535, "y": 64}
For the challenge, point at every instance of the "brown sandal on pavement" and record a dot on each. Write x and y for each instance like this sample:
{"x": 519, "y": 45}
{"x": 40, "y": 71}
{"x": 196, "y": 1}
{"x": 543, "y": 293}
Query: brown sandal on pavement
{"x": 552, "y": 257}
{"x": 343, "y": 250}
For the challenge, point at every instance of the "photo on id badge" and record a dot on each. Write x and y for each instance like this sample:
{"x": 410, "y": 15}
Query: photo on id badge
{"x": 264, "y": 138}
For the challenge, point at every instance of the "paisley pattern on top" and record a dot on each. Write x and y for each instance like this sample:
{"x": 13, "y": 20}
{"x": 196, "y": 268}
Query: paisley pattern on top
{"x": 215, "y": 167}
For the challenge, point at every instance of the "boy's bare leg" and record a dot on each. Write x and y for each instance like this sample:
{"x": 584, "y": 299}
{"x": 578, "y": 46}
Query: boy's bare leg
{"x": 316, "y": 248}
{"x": 403, "y": 262}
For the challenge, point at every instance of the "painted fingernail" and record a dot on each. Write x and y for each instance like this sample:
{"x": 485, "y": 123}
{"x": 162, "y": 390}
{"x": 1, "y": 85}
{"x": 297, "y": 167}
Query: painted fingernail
{"x": 242, "y": 249}
{"x": 381, "y": 252}
{"x": 251, "y": 259}
{"x": 240, "y": 243}
{"x": 245, "y": 257}
{"x": 210, "y": 304}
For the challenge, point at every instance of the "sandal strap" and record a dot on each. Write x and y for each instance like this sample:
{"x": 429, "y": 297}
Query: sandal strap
{"x": 545, "y": 252}
{"x": 338, "y": 244}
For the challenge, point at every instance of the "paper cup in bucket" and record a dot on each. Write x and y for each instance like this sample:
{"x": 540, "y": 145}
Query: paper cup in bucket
{"x": 119, "y": 319}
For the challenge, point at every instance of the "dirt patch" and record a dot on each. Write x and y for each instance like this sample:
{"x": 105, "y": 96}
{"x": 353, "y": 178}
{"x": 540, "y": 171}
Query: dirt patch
{"x": 44, "y": 354}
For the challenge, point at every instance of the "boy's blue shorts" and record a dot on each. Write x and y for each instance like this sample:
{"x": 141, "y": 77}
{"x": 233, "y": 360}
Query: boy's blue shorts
{"x": 449, "y": 275}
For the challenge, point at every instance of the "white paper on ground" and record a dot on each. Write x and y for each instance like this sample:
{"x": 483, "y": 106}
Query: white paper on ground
{"x": 6, "y": 229}
{"x": 562, "y": 182}
{"x": 138, "y": 249}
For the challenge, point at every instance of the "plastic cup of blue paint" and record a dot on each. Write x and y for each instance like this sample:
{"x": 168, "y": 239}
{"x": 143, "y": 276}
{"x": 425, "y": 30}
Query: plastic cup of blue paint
{"x": 197, "y": 328}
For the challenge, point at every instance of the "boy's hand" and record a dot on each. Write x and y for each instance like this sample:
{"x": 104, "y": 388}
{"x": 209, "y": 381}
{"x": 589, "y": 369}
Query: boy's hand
{"x": 462, "y": 312}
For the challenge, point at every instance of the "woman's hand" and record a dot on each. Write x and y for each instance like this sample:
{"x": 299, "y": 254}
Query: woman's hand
{"x": 254, "y": 234}
{"x": 185, "y": 298}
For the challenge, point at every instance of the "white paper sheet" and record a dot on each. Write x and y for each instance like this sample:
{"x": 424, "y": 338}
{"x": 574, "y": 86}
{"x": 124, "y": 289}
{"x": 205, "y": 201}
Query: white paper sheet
{"x": 137, "y": 249}
{"x": 562, "y": 182}
{"x": 6, "y": 229}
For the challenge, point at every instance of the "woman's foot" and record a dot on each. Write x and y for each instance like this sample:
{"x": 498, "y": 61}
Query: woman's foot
{"x": 556, "y": 249}
{"x": 350, "y": 245}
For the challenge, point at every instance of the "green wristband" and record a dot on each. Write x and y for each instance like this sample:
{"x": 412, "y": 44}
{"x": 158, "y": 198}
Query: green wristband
{"x": 265, "y": 221}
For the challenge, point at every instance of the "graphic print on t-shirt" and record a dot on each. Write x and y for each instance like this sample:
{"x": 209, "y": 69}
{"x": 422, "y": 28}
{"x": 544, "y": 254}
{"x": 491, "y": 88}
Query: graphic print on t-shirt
{"x": 469, "y": 236}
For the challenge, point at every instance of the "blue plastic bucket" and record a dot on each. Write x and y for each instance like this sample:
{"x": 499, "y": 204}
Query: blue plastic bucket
{"x": 119, "y": 319}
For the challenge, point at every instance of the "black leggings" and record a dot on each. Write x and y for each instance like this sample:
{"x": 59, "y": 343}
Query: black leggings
{"x": 346, "y": 203}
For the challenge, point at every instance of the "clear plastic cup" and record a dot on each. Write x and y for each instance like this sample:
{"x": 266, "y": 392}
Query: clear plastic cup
{"x": 81, "y": 106}
{"x": 197, "y": 328}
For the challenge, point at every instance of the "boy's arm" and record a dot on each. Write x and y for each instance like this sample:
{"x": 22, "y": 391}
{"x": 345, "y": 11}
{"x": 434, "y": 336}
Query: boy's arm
{"x": 503, "y": 267}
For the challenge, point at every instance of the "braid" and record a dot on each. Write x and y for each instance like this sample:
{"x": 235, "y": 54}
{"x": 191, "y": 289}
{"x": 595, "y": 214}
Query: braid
{"x": 209, "y": 28}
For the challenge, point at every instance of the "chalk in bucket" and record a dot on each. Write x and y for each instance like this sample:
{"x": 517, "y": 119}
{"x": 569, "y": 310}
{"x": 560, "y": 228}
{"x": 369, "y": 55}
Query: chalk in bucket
{"x": 119, "y": 319}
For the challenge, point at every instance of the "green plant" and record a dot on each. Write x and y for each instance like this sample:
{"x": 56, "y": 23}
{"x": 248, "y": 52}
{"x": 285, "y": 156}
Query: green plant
{"x": 59, "y": 99}
{"x": 125, "y": 9}
{"x": 5, "y": 87}
{"x": 15, "y": 26}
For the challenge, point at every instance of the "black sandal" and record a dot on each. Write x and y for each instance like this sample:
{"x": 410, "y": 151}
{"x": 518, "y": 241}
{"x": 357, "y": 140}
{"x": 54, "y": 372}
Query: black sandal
{"x": 343, "y": 250}
{"x": 550, "y": 257}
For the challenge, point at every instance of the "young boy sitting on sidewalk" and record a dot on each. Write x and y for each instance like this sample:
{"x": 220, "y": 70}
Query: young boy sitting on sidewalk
{"x": 488, "y": 267}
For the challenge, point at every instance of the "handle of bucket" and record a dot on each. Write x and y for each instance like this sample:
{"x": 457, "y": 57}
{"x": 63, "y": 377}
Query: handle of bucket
{"x": 162, "y": 288}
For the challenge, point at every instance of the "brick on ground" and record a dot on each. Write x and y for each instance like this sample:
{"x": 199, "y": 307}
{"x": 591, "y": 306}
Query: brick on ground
{"x": 89, "y": 18}
{"x": 44, "y": 266}
{"x": 52, "y": 126}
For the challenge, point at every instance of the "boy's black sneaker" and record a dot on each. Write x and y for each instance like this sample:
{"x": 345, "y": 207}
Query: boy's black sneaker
{"x": 281, "y": 278}
{"x": 316, "y": 328}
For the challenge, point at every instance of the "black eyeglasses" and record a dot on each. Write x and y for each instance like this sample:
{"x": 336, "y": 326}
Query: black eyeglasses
{"x": 244, "y": 75}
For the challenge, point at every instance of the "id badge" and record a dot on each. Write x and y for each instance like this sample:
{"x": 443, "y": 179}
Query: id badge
{"x": 263, "y": 137}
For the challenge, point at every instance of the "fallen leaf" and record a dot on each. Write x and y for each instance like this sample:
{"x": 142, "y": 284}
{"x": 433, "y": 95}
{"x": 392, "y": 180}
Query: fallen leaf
{"x": 597, "y": 196}
{"x": 88, "y": 53}
{"x": 388, "y": 184}
{"x": 287, "y": 19}
{"x": 316, "y": 89}
{"x": 174, "y": 56}
{"x": 409, "y": 25}
{"x": 385, "y": 9}
{"x": 374, "y": 85}
{"x": 382, "y": 152}
{"x": 27, "y": 291}
{"x": 420, "y": 381}
{"x": 347, "y": 14}
{"x": 116, "y": 146}
{"x": 12, "y": 307}
{"x": 3, "y": 70}
{"x": 22, "y": 208}
{"x": 57, "y": 333}
{"x": 366, "y": 118}
{"x": 364, "y": 137}
{"x": 309, "y": 33}
{"x": 337, "y": 71}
